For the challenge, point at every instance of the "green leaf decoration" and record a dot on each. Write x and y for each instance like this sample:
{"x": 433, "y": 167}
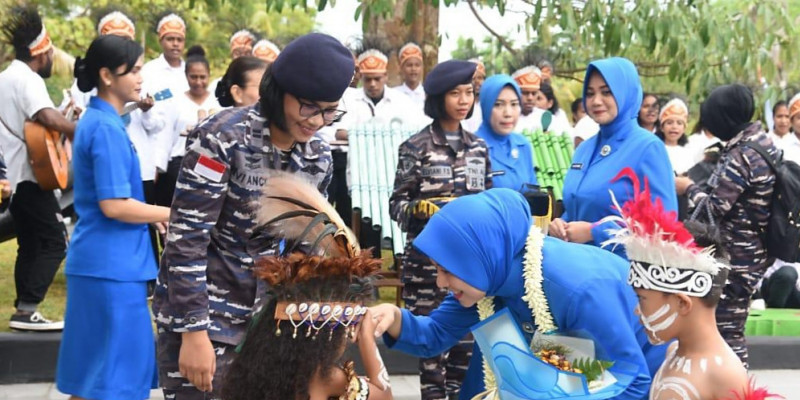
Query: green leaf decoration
{"x": 592, "y": 369}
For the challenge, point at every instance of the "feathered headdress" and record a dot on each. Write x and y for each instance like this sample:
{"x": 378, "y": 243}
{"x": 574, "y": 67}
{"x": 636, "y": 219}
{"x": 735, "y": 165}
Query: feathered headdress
{"x": 754, "y": 393}
{"x": 322, "y": 279}
{"x": 663, "y": 254}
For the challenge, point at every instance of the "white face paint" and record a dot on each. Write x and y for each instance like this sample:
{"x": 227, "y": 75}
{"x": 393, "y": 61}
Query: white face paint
{"x": 654, "y": 328}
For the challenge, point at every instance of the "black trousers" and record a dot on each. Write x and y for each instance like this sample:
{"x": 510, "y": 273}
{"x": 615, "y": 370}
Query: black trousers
{"x": 338, "y": 195}
{"x": 165, "y": 185}
{"x": 42, "y": 240}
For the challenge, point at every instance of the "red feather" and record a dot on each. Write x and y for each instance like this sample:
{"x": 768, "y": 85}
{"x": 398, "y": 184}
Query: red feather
{"x": 648, "y": 218}
{"x": 753, "y": 393}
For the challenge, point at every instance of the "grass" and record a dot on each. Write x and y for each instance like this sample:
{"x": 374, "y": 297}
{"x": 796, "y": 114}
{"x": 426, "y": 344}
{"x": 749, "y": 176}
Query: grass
{"x": 53, "y": 305}
{"x": 55, "y": 301}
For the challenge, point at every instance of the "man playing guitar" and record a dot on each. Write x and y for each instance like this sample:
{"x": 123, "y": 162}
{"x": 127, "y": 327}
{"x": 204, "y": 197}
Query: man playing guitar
{"x": 41, "y": 233}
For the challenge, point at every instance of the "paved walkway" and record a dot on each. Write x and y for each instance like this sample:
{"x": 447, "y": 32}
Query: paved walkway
{"x": 406, "y": 387}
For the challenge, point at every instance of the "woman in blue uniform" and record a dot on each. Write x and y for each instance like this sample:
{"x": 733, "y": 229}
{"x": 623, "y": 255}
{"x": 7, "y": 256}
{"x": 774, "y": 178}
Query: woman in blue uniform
{"x": 108, "y": 348}
{"x": 612, "y": 95}
{"x": 479, "y": 244}
{"x": 511, "y": 153}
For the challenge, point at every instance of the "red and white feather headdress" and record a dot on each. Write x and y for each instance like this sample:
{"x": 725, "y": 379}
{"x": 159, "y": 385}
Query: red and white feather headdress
{"x": 663, "y": 254}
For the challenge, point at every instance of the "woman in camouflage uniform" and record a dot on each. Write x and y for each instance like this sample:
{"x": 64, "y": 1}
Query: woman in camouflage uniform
{"x": 738, "y": 198}
{"x": 441, "y": 161}
{"x": 206, "y": 292}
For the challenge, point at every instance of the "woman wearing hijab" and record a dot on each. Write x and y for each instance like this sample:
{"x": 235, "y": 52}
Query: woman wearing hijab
{"x": 738, "y": 198}
{"x": 511, "y": 153}
{"x": 612, "y": 94}
{"x": 481, "y": 245}
{"x": 440, "y": 162}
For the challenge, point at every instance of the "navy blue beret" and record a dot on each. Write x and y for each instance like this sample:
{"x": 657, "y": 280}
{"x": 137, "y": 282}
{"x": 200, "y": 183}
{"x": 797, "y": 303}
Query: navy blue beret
{"x": 314, "y": 67}
{"x": 447, "y": 75}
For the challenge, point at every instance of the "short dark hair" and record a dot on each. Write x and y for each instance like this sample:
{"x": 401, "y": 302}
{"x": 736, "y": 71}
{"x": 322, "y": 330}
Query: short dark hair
{"x": 236, "y": 75}
{"x": 547, "y": 90}
{"x": 781, "y": 103}
{"x": 107, "y": 51}
{"x": 576, "y": 104}
{"x": 20, "y": 28}
{"x": 271, "y": 101}
{"x": 196, "y": 54}
{"x": 706, "y": 235}
{"x": 434, "y": 107}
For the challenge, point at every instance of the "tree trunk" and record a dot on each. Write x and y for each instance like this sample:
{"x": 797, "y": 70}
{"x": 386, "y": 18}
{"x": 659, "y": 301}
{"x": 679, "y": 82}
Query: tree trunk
{"x": 423, "y": 30}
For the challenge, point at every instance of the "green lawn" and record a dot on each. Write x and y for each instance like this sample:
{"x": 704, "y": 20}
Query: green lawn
{"x": 53, "y": 305}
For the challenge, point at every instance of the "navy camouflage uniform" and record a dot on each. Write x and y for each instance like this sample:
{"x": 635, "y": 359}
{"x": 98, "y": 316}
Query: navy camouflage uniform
{"x": 739, "y": 197}
{"x": 205, "y": 281}
{"x": 429, "y": 167}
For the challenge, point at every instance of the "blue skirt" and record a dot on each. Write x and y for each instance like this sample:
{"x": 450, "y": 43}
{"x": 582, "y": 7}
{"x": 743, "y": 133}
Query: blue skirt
{"x": 108, "y": 348}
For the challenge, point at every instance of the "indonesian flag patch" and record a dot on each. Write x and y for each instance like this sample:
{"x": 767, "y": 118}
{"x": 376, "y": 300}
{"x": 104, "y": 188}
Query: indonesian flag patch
{"x": 209, "y": 169}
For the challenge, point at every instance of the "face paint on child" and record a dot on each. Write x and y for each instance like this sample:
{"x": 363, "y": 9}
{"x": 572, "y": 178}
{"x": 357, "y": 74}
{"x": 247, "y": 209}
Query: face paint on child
{"x": 653, "y": 329}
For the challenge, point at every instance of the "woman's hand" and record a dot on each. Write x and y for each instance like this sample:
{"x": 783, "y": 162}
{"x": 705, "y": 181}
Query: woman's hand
{"x": 558, "y": 229}
{"x": 579, "y": 232}
{"x": 682, "y": 183}
{"x": 196, "y": 360}
{"x": 387, "y": 319}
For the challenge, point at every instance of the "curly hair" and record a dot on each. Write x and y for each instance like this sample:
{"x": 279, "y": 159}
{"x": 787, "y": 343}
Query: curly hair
{"x": 20, "y": 27}
{"x": 273, "y": 363}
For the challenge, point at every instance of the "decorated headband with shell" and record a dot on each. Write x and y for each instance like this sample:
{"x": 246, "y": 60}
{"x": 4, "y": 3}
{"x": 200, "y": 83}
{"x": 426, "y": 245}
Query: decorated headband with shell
{"x": 662, "y": 253}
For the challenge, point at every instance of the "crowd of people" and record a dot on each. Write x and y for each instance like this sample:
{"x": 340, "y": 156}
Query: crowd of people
{"x": 227, "y": 201}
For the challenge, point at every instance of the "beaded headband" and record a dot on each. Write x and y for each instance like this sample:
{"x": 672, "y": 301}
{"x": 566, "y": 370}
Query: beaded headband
{"x": 372, "y": 62}
{"x": 316, "y": 316}
{"x": 409, "y": 50}
{"x": 266, "y": 50}
{"x": 529, "y": 78}
{"x": 171, "y": 24}
{"x": 242, "y": 38}
{"x": 674, "y": 109}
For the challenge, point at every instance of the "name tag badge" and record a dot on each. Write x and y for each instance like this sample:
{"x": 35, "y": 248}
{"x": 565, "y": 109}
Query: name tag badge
{"x": 498, "y": 173}
{"x": 476, "y": 173}
{"x": 437, "y": 172}
{"x": 577, "y": 166}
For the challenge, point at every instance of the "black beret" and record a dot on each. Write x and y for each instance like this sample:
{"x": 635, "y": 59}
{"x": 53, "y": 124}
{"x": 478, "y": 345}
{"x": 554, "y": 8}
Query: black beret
{"x": 447, "y": 75}
{"x": 314, "y": 67}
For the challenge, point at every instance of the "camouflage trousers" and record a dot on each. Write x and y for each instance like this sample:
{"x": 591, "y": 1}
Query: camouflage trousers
{"x": 734, "y": 306}
{"x": 440, "y": 377}
{"x": 173, "y": 384}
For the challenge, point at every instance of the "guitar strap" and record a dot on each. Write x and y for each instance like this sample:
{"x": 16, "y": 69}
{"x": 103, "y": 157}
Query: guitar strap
{"x": 11, "y": 131}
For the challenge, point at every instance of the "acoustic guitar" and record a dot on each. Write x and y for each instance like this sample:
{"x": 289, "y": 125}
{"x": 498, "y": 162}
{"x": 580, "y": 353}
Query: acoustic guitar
{"x": 49, "y": 155}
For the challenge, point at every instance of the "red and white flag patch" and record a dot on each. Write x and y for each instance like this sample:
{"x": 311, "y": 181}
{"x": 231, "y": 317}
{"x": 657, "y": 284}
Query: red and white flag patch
{"x": 209, "y": 169}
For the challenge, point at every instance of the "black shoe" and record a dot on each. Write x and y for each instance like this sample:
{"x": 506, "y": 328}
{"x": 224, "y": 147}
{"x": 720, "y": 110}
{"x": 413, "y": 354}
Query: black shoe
{"x": 34, "y": 322}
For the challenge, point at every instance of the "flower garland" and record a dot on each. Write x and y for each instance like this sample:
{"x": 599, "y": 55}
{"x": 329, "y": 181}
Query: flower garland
{"x": 534, "y": 296}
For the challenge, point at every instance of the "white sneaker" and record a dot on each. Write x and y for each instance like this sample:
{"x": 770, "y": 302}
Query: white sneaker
{"x": 34, "y": 322}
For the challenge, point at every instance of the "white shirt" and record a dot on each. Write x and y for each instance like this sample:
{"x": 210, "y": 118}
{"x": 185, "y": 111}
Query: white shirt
{"x": 585, "y": 128}
{"x": 681, "y": 158}
{"x": 790, "y": 145}
{"x": 473, "y": 123}
{"x": 531, "y": 122}
{"x": 560, "y": 124}
{"x": 697, "y": 145}
{"x": 187, "y": 114}
{"x": 158, "y": 75}
{"x": 23, "y": 95}
{"x": 143, "y": 131}
{"x": 417, "y": 96}
{"x": 394, "y": 107}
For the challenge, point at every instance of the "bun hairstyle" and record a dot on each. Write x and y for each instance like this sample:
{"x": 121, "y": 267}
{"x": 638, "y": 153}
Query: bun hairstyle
{"x": 107, "y": 51}
{"x": 196, "y": 54}
{"x": 20, "y": 27}
{"x": 236, "y": 75}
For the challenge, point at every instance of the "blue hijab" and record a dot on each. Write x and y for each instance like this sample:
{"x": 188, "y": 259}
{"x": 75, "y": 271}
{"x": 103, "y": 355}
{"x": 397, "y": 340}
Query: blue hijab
{"x": 484, "y": 252}
{"x": 509, "y": 153}
{"x": 623, "y": 80}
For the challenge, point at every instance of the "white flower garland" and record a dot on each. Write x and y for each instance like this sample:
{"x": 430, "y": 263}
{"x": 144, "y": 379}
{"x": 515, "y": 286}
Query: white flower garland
{"x": 534, "y": 295}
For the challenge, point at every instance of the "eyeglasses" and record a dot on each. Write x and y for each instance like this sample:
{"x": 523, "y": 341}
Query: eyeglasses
{"x": 308, "y": 110}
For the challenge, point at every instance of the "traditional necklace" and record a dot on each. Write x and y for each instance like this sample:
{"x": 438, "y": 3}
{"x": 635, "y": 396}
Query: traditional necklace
{"x": 534, "y": 296}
